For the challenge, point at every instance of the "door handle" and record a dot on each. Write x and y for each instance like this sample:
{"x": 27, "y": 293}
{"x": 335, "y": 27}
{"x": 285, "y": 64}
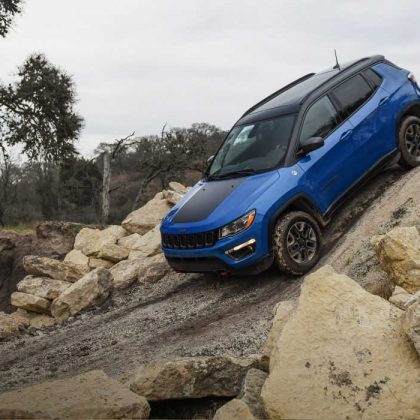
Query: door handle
{"x": 345, "y": 134}
{"x": 383, "y": 101}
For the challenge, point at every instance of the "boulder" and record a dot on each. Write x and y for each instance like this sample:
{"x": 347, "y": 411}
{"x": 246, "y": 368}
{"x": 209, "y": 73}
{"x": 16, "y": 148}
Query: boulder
{"x": 234, "y": 410}
{"x": 99, "y": 263}
{"x": 411, "y": 321}
{"x": 43, "y": 287}
{"x": 125, "y": 273}
{"x": 90, "y": 241}
{"x": 77, "y": 257}
{"x": 400, "y": 297}
{"x": 34, "y": 320}
{"x": 147, "y": 217}
{"x": 343, "y": 354}
{"x": 173, "y": 197}
{"x": 399, "y": 255}
{"x": 148, "y": 245}
{"x": 9, "y": 323}
{"x": 91, "y": 395}
{"x": 114, "y": 253}
{"x": 48, "y": 267}
{"x": 378, "y": 284}
{"x": 153, "y": 269}
{"x": 30, "y": 302}
{"x": 131, "y": 241}
{"x": 177, "y": 187}
{"x": 282, "y": 313}
{"x": 92, "y": 289}
{"x": 198, "y": 377}
{"x": 251, "y": 392}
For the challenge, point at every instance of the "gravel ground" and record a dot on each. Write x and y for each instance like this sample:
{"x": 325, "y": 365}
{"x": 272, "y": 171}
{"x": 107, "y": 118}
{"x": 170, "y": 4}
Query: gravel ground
{"x": 182, "y": 315}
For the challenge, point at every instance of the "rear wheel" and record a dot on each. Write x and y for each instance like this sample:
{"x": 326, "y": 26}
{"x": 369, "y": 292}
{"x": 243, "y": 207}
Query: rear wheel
{"x": 297, "y": 242}
{"x": 409, "y": 142}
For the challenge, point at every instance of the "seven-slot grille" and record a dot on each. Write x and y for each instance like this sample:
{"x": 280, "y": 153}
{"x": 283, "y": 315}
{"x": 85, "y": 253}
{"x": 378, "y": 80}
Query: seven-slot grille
{"x": 189, "y": 240}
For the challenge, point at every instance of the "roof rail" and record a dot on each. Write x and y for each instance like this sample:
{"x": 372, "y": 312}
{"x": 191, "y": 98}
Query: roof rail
{"x": 273, "y": 95}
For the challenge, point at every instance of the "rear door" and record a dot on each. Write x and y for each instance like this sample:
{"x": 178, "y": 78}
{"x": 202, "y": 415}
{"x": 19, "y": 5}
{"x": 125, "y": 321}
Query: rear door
{"x": 328, "y": 171}
{"x": 360, "y": 100}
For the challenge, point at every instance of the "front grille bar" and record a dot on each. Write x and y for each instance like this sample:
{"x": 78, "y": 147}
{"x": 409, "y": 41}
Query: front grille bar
{"x": 189, "y": 240}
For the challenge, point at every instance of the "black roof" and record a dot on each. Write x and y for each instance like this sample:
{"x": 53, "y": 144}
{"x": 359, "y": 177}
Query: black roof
{"x": 290, "y": 98}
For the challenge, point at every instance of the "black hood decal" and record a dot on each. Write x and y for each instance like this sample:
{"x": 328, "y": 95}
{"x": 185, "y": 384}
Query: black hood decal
{"x": 205, "y": 200}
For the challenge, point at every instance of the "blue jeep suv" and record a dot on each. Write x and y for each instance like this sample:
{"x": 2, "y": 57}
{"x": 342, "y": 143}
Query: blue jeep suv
{"x": 288, "y": 163}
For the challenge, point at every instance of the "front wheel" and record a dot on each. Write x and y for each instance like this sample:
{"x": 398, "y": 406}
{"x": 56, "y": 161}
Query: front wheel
{"x": 409, "y": 142}
{"x": 297, "y": 242}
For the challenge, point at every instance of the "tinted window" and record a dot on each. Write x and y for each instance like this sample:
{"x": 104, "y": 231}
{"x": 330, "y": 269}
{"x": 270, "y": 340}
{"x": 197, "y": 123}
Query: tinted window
{"x": 373, "y": 78}
{"x": 352, "y": 94}
{"x": 320, "y": 120}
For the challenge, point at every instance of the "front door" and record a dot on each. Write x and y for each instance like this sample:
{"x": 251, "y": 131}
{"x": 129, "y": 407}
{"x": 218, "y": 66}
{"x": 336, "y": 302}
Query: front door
{"x": 328, "y": 171}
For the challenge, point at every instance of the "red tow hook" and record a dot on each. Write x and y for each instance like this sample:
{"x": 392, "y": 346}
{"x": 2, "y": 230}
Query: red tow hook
{"x": 224, "y": 273}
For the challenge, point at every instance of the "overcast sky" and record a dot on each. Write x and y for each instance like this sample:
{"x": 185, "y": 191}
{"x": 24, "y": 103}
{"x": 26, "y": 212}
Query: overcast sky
{"x": 139, "y": 64}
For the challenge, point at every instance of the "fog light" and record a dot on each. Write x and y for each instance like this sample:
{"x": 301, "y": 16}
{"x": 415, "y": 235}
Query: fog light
{"x": 243, "y": 250}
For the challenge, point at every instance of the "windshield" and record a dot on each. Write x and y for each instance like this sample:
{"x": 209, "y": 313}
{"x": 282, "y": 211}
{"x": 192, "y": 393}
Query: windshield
{"x": 255, "y": 147}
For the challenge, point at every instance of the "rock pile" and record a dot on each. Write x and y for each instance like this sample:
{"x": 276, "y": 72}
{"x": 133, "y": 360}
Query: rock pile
{"x": 101, "y": 260}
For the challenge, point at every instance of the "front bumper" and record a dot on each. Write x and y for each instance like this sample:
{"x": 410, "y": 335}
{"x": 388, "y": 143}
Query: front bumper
{"x": 216, "y": 258}
{"x": 214, "y": 265}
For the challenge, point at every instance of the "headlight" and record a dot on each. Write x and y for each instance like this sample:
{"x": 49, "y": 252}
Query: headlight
{"x": 237, "y": 225}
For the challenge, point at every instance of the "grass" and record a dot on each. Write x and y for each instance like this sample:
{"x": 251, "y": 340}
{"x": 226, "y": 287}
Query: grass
{"x": 18, "y": 228}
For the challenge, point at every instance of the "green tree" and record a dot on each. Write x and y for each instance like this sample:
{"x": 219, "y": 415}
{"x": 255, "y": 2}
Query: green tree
{"x": 8, "y": 10}
{"x": 37, "y": 112}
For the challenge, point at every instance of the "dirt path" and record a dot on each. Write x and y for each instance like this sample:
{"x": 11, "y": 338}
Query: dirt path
{"x": 182, "y": 315}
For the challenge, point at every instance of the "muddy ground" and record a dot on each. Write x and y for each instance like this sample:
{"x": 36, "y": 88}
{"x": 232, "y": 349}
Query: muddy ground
{"x": 187, "y": 315}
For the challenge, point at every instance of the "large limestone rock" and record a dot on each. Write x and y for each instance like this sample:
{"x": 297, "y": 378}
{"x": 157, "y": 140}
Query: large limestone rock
{"x": 132, "y": 241}
{"x": 114, "y": 253}
{"x": 99, "y": 263}
{"x": 33, "y": 319}
{"x": 148, "y": 245}
{"x": 234, "y": 410}
{"x": 90, "y": 241}
{"x": 92, "y": 289}
{"x": 177, "y": 187}
{"x": 411, "y": 320}
{"x": 48, "y": 267}
{"x": 399, "y": 255}
{"x": 153, "y": 269}
{"x": 43, "y": 287}
{"x": 400, "y": 297}
{"x": 282, "y": 313}
{"x": 91, "y": 395}
{"x": 343, "y": 354}
{"x": 191, "y": 378}
{"x": 30, "y": 302}
{"x": 173, "y": 197}
{"x": 9, "y": 323}
{"x": 125, "y": 273}
{"x": 147, "y": 217}
{"x": 251, "y": 392}
{"x": 77, "y": 257}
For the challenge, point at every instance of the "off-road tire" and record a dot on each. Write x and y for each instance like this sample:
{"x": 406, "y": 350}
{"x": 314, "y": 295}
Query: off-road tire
{"x": 282, "y": 256}
{"x": 407, "y": 159}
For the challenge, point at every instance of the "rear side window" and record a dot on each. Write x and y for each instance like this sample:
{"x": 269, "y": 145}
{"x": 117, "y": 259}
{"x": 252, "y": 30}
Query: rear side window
{"x": 352, "y": 94}
{"x": 320, "y": 119}
{"x": 374, "y": 79}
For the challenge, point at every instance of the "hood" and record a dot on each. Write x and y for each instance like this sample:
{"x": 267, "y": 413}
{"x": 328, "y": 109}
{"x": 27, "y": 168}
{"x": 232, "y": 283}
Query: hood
{"x": 219, "y": 202}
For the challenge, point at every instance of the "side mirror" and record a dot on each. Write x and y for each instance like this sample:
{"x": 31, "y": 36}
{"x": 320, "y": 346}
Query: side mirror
{"x": 311, "y": 144}
{"x": 210, "y": 159}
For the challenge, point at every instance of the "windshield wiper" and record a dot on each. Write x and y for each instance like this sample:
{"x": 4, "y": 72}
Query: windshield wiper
{"x": 233, "y": 174}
